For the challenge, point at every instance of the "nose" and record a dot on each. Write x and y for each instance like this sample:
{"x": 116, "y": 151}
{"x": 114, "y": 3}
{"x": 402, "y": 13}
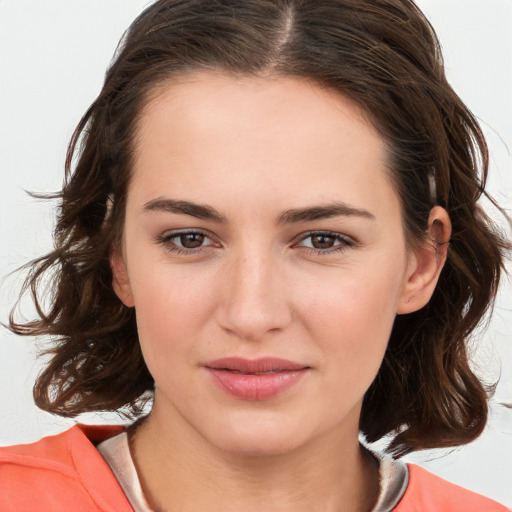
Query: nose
{"x": 254, "y": 301}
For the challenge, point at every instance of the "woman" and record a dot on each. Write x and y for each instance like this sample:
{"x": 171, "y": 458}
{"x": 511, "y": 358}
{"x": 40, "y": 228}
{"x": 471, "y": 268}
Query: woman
{"x": 270, "y": 230}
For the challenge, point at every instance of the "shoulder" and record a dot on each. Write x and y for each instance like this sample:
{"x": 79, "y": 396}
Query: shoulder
{"x": 62, "y": 472}
{"x": 426, "y": 492}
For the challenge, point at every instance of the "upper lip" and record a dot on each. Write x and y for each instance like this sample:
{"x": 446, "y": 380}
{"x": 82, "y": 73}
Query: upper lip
{"x": 261, "y": 365}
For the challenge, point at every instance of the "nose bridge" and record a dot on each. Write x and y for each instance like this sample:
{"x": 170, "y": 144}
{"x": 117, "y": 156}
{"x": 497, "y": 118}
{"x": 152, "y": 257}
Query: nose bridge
{"x": 255, "y": 300}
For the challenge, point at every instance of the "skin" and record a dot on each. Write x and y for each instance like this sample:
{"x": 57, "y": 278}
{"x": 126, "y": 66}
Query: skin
{"x": 257, "y": 150}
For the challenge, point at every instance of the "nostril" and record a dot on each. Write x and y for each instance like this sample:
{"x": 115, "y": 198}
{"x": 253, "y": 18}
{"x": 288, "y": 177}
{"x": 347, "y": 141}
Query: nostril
{"x": 252, "y": 305}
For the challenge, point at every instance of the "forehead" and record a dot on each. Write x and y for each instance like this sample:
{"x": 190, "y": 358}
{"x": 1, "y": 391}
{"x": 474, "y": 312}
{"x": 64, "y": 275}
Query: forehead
{"x": 213, "y": 132}
{"x": 201, "y": 100}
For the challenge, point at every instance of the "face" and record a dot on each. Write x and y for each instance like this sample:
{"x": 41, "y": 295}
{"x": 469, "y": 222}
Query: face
{"x": 264, "y": 254}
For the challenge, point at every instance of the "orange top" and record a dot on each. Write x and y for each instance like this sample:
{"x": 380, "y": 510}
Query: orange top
{"x": 66, "y": 472}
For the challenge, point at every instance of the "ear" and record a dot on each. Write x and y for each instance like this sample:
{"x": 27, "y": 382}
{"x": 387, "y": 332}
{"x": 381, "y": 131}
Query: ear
{"x": 120, "y": 280}
{"x": 425, "y": 263}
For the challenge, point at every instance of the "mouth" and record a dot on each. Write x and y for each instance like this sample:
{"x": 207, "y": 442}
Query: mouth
{"x": 262, "y": 366}
{"x": 256, "y": 379}
{"x": 251, "y": 373}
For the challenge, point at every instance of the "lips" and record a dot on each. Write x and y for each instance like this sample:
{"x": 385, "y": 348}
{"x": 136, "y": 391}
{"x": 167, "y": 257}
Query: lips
{"x": 256, "y": 379}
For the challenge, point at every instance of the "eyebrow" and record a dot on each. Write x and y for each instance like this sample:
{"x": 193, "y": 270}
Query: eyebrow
{"x": 323, "y": 212}
{"x": 291, "y": 216}
{"x": 199, "y": 211}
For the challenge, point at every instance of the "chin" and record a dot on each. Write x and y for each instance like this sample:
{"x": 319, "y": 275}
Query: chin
{"x": 259, "y": 438}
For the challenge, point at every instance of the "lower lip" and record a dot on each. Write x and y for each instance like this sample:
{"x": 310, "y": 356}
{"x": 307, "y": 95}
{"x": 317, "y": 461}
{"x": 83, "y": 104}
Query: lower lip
{"x": 255, "y": 386}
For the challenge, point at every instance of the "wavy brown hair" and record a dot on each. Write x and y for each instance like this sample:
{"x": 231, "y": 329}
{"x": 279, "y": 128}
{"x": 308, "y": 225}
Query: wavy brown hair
{"x": 385, "y": 56}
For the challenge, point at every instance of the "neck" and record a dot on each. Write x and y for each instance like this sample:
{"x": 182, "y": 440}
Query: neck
{"x": 181, "y": 471}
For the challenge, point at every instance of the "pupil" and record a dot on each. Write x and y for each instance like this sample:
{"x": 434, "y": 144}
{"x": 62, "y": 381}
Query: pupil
{"x": 192, "y": 240}
{"x": 322, "y": 241}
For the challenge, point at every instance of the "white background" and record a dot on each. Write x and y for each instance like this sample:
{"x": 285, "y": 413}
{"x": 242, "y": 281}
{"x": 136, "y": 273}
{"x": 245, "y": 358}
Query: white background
{"x": 53, "y": 55}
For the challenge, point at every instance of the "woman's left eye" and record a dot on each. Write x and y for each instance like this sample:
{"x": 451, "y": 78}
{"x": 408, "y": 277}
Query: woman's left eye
{"x": 325, "y": 241}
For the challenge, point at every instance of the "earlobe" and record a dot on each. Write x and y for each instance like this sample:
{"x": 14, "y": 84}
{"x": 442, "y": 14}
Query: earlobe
{"x": 120, "y": 280}
{"x": 426, "y": 263}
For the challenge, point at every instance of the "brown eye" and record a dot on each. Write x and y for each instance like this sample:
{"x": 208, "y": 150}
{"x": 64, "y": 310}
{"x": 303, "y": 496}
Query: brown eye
{"x": 322, "y": 241}
{"x": 191, "y": 240}
{"x": 325, "y": 242}
{"x": 187, "y": 242}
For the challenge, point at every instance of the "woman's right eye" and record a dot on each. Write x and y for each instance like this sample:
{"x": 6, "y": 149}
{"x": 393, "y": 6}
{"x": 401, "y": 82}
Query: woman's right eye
{"x": 186, "y": 241}
{"x": 190, "y": 240}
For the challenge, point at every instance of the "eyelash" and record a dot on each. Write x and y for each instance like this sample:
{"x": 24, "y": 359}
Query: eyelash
{"x": 168, "y": 241}
{"x": 342, "y": 242}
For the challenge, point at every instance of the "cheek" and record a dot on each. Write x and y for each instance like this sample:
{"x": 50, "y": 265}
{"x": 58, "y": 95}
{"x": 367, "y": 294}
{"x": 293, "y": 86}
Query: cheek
{"x": 352, "y": 315}
{"x": 172, "y": 306}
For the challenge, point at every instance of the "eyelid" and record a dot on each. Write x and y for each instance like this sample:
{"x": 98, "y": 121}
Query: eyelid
{"x": 166, "y": 239}
{"x": 344, "y": 241}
